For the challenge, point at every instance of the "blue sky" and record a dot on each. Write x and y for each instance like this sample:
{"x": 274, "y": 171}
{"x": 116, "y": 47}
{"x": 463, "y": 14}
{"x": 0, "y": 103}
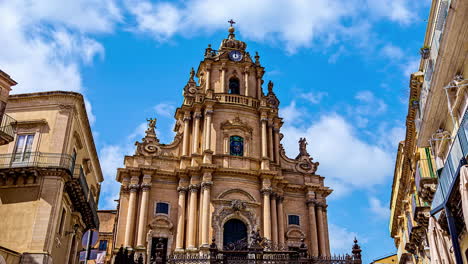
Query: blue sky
{"x": 340, "y": 69}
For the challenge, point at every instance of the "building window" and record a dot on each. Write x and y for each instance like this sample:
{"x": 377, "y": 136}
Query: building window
{"x": 162, "y": 208}
{"x": 293, "y": 220}
{"x": 234, "y": 87}
{"x": 102, "y": 245}
{"x": 236, "y": 144}
{"x": 23, "y": 148}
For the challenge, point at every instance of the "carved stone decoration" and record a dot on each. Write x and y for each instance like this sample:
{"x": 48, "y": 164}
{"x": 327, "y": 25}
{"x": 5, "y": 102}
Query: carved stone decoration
{"x": 150, "y": 144}
{"x": 271, "y": 98}
{"x": 160, "y": 226}
{"x": 190, "y": 88}
{"x": 305, "y": 164}
{"x": 294, "y": 236}
{"x": 236, "y": 123}
{"x": 224, "y": 213}
{"x": 237, "y": 205}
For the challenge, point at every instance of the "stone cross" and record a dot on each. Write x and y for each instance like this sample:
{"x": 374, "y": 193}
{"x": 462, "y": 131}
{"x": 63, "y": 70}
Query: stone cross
{"x": 231, "y": 22}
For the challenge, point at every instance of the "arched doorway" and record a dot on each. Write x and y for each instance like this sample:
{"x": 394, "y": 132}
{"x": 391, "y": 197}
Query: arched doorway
{"x": 234, "y": 231}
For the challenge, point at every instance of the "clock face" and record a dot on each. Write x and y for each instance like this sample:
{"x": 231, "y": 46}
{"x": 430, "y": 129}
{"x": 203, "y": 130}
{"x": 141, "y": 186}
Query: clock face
{"x": 235, "y": 55}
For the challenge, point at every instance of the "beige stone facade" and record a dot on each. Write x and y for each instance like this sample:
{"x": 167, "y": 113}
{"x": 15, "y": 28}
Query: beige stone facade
{"x": 49, "y": 178}
{"x": 427, "y": 221}
{"x": 226, "y": 173}
{"x": 106, "y": 232}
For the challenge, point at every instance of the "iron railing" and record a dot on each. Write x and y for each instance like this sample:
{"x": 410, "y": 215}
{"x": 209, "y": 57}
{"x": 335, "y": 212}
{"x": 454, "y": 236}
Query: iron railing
{"x": 6, "y": 125}
{"x": 451, "y": 169}
{"x": 36, "y": 159}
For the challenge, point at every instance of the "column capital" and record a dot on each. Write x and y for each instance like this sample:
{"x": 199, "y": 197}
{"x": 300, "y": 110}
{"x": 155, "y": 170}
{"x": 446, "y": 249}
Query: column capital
{"x": 181, "y": 189}
{"x": 264, "y": 119}
{"x": 311, "y": 202}
{"x": 134, "y": 187}
{"x": 280, "y": 198}
{"x": 194, "y": 187}
{"x": 266, "y": 191}
{"x": 146, "y": 186}
{"x": 209, "y": 112}
{"x": 206, "y": 185}
{"x": 187, "y": 118}
{"x": 197, "y": 115}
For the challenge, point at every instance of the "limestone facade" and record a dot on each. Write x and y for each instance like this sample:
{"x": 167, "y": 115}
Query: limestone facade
{"x": 426, "y": 220}
{"x": 106, "y": 232}
{"x": 226, "y": 173}
{"x": 49, "y": 178}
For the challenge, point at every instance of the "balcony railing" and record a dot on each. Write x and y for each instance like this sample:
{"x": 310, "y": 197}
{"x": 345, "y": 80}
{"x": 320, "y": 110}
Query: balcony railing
{"x": 6, "y": 129}
{"x": 238, "y": 99}
{"x": 82, "y": 198}
{"x": 453, "y": 163}
{"x": 36, "y": 160}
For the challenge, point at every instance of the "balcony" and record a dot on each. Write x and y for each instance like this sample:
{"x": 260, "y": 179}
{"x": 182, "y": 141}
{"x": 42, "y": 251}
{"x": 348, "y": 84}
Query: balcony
{"x": 421, "y": 211}
{"x": 237, "y": 100}
{"x": 82, "y": 199}
{"x": 7, "y": 133}
{"x": 449, "y": 176}
{"x": 36, "y": 160}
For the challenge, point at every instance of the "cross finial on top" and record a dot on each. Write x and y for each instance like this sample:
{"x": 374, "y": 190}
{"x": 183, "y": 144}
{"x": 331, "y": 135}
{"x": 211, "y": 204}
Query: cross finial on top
{"x": 231, "y": 22}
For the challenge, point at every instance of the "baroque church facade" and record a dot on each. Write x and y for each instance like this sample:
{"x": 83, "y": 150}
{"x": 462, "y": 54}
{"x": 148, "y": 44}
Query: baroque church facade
{"x": 226, "y": 174}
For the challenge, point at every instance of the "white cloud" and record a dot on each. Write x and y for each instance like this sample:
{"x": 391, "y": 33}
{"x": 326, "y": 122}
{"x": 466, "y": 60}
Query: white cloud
{"x": 165, "y": 109}
{"x": 410, "y": 66}
{"x": 313, "y": 97}
{"x": 341, "y": 239}
{"x": 44, "y": 43}
{"x": 369, "y": 104}
{"x": 346, "y": 161}
{"x": 392, "y": 52}
{"x": 400, "y": 11}
{"x": 378, "y": 209}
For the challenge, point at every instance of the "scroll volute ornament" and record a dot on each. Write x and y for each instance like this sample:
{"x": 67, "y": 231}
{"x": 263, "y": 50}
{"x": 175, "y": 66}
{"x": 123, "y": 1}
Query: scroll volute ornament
{"x": 305, "y": 161}
{"x": 150, "y": 144}
{"x": 190, "y": 88}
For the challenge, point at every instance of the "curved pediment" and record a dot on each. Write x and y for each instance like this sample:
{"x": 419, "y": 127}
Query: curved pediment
{"x": 295, "y": 233}
{"x": 236, "y": 194}
{"x": 161, "y": 222}
{"x": 236, "y": 123}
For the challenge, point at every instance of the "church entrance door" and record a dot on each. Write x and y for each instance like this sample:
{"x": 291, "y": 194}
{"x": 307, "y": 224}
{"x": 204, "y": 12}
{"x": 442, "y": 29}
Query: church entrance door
{"x": 235, "y": 232}
{"x": 154, "y": 244}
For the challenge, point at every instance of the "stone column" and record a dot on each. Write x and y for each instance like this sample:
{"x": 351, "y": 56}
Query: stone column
{"x": 181, "y": 218}
{"x": 270, "y": 142}
{"x": 279, "y": 203}
{"x": 208, "y": 76}
{"x": 246, "y": 81}
{"x": 274, "y": 220}
{"x": 223, "y": 78}
{"x": 185, "y": 143}
{"x": 145, "y": 188}
{"x": 325, "y": 227}
{"x": 259, "y": 83}
{"x": 276, "y": 146}
{"x": 321, "y": 229}
{"x": 199, "y": 218}
{"x": 207, "y": 151}
{"x": 192, "y": 220}
{"x": 264, "y": 137}
{"x": 196, "y": 132}
{"x": 266, "y": 213}
{"x": 129, "y": 227}
{"x": 314, "y": 250}
{"x": 206, "y": 187}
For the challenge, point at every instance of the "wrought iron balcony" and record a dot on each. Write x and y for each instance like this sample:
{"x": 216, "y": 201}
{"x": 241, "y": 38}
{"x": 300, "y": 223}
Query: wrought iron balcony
{"x": 82, "y": 199}
{"x": 6, "y": 129}
{"x": 37, "y": 160}
{"x": 449, "y": 176}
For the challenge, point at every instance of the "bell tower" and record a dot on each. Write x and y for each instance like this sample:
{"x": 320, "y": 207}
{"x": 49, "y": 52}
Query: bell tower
{"x": 226, "y": 112}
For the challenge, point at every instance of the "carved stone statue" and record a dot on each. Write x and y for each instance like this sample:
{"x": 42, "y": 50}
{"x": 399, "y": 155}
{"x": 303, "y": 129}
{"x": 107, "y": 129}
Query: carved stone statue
{"x": 270, "y": 87}
{"x": 192, "y": 74}
{"x": 303, "y": 147}
{"x": 151, "y": 123}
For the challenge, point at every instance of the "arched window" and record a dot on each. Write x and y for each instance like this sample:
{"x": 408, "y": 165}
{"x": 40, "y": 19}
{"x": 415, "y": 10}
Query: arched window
{"x": 234, "y": 87}
{"x": 236, "y": 146}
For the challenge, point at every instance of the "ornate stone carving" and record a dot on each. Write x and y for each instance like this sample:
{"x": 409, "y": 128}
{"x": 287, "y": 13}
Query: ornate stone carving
{"x": 237, "y": 205}
{"x": 305, "y": 163}
{"x": 236, "y": 123}
{"x": 206, "y": 185}
{"x": 150, "y": 143}
{"x": 271, "y": 98}
{"x": 194, "y": 187}
{"x": 182, "y": 189}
